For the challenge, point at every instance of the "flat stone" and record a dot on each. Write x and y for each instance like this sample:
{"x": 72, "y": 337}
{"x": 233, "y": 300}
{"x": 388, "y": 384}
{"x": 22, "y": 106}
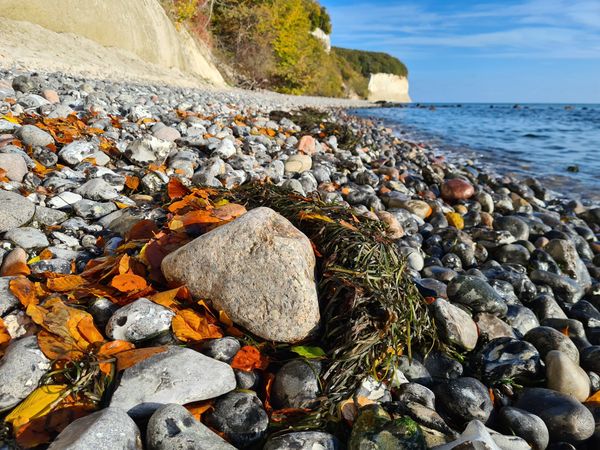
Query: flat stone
{"x": 139, "y": 321}
{"x": 89, "y": 209}
{"x": 298, "y": 163}
{"x": 27, "y": 238}
{"x": 167, "y": 134}
{"x": 107, "y": 429}
{"x": 15, "y": 210}
{"x": 491, "y": 327}
{"x": 77, "y": 151}
{"x": 34, "y": 136}
{"x": 263, "y": 277}
{"x": 565, "y": 254}
{"x": 14, "y": 165}
{"x": 455, "y": 324}
{"x": 21, "y": 369}
{"x": 477, "y": 294}
{"x": 177, "y": 375}
{"x": 310, "y": 440}
{"x": 49, "y": 216}
{"x": 149, "y": 150}
{"x": 307, "y": 145}
{"x": 97, "y": 189}
{"x": 172, "y": 427}
{"x": 64, "y": 200}
{"x": 563, "y": 375}
{"x": 225, "y": 150}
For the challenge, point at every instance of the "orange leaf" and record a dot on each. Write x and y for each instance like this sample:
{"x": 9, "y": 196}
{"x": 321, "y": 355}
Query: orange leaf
{"x": 42, "y": 430}
{"x": 56, "y": 347}
{"x": 168, "y": 299}
{"x": 4, "y": 335}
{"x": 24, "y": 290}
{"x": 229, "y": 211}
{"x": 110, "y": 349}
{"x": 130, "y": 358}
{"x": 46, "y": 254}
{"x": 132, "y": 182}
{"x": 190, "y": 326}
{"x": 594, "y": 399}
{"x": 176, "y": 189}
{"x": 65, "y": 283}
{"x": 142, "y": 230}
{"x": 199, "y": 408}
{"x": 124, "y": 264}
{"x": 128, "y": 282}
{"x": 67, "y": 332}
{"x": 348, "y": 225}
{"x": 249, "y": 358}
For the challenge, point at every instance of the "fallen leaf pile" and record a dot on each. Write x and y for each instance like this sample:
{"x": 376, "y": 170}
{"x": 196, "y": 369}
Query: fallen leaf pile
{"x": 85, "y": 362}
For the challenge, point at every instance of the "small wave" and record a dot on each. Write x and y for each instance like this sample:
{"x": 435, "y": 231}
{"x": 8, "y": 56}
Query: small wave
{"x": 535, "y": 136}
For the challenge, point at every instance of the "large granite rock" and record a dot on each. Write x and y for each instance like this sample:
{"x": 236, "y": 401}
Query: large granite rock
{"x": 259, "y": 269}
{"x": 177, "y": 375}
{"x": 107, "y": 429}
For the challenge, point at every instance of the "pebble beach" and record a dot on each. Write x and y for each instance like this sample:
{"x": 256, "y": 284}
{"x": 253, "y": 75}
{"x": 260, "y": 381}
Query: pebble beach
{"x": 506, "y": 272}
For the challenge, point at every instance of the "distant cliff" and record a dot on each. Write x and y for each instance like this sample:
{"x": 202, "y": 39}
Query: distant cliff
{"x": 386, "y": 77}
{"x": 388, "y": 87}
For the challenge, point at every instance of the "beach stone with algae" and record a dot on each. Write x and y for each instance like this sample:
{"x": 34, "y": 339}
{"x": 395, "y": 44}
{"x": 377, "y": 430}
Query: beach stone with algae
{"x": 259, "y": 269}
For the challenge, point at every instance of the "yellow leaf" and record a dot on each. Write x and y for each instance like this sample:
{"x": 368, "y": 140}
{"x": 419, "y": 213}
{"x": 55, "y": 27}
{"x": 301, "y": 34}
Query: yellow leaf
{"x": 34, "y": 260}
{"x": 314, "y": 216}
{"x": 11, "y": 118}
{"x": 39, "y": 403}
{"x": 122, "y": 205}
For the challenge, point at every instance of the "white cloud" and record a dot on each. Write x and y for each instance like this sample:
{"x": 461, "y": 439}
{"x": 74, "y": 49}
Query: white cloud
{"x": 527, "y": 29}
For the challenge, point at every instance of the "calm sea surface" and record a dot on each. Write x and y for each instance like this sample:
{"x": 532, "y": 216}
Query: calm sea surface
{"x": 540, "y": 140}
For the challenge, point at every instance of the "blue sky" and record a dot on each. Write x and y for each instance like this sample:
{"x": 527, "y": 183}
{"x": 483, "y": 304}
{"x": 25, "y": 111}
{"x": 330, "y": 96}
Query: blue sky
{"x": 482, "y": 51}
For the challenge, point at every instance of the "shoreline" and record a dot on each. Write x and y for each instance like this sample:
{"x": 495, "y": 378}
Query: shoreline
{"x": 498, "y": 160}
{"x": 491, "y": 311}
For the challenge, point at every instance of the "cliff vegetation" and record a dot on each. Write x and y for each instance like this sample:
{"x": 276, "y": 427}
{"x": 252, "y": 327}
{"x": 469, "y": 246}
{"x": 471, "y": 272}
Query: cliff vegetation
{"x": 268, "y": 44}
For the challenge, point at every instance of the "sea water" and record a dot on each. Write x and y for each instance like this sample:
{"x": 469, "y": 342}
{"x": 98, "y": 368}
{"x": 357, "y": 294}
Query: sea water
{"x": 556, "y": 143}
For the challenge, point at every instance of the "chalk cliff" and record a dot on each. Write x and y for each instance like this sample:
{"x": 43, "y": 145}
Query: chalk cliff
{"x": 388, "y": 87}
{"x": 140, "y": 27}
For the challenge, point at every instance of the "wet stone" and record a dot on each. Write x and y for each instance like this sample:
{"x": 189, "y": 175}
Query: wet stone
{"x": 566, "y": 418}
{"x": 545, "y": 339}
{"x": 464, "y": 399}
{"x": 505, "y": 358}
{"x": 240, "y": 416}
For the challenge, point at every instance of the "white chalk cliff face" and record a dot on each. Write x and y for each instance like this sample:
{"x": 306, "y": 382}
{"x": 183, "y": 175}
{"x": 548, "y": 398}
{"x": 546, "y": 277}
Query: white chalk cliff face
{"x": 140, "y": 27}
{"x": 323, "y": 37}
{"x": 388, "y": 87}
